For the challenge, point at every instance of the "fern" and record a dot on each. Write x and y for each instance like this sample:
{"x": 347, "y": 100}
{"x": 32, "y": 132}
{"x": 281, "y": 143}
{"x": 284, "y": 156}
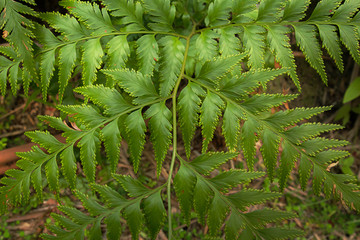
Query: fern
{"x": 175, "y": 65}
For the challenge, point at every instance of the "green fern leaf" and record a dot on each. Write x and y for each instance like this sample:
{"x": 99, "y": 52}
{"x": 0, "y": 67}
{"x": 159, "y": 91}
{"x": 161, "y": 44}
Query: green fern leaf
{"x": 237, "y": 87}
{"x": 232, "y": 178}
{"x": 263, "y": 102}
{"x": 68, "y": 26}
{"x": 173, "y": 54}
{"x": 76, "y": 215}
{"x": 132, "y": 186}
{"x": 37, "y": 181}
{"x": 147, "y": 53}
{"x": 287, "y": 161}
{"x": 93, "y": 207}
{"x": 262, "y": 217}
{"x": 324, "y": 9}
{"x": 330, "y": 39}
{"x": 111, "y": 137}
{"x": 315, "y": 145}
{"x": 295, "y": 10}
{"x": 184, "y": 183}
{"x": 306, "y": 39}
{"x": 231, "y": 125}
{"x": 269, "y": 151}
{"x": 248, "y": 139}
{"x": 286, "y": 118}
{"x": 242, "y": 7}
{"x": 52, "y": 174}
{"x": 47, "y": 67}
{"x": 280, "y": 46}
{"x": 189, "y": 108}
{"x": 13, "y": 77}
{"x": 250, "y": 197}
{"x": 135, "y": 127}
{"x": 134, "y": 219}
{"x": 58, "y": 124}
{"x": 45, "y": 140}
{"x": 160, "y": 127}
{"x": 118, "y": 51}
{"x": 95, "y": 231}
{"x": 270, "y": 11}
{"x": 67, "y": 58}
{"x": 346, "y": 11}
{"x": 218, "y": 13}
{"x": 87, "y": 115}
{"x": 161, "y": 13}
{"x": 110, "y": 99}
{"x": 254, "y": 44}
{"x": 234, "y": 225}
{"x": 309, "y": 130}
{"x": 202, "y": 197}
{"x": 206, "y": 163}
{"x": 206, "y": 45}
{"x": 68, "y": 166}
{"x": 131, "y": 13}
{"x": 155, "y": 213}
{"x": 91, "y": 60}
{"x": 113, "y": 225}
{"x": 89, "y": 145}
{"x": 96, "y": 19}
{"x": 213, "y": 70}
{"x": 209, "y": 117}
{"x": 229, "y": 43}
{"x": 305, "y": 167}
{"x": 112, "y": 198}
{"x": 350, "y": 38}
{"x": 217, "y": 213}
{"x": 325, "y": 157}
{"x": 135, "y": 83}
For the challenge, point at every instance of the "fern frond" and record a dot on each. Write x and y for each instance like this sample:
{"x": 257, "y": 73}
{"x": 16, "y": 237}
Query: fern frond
{"x": 215, "y": 204}
{"x": 295, "y": 10}
{"x": 242, "y": 7}
{"x": 162, "y": 14}
{"x": 131, "y": 13}
{"x": 206, "y": 45}
{"x": 147, "y": 53}
{"x": 173, "y": 51}
{"x": 306, "y": 39}
{"x": 270, "y": 11}
{"x": 189, "y": 108}
{"x": 160, "y": 128}
{"x": 209, "y": 117}
{"x": 96, "y": 19}
{"x": 253, "y": 39}
{"x": 218, "y": 13}
{"x": 118, "y": 51}
{"x": 135, "y": 83}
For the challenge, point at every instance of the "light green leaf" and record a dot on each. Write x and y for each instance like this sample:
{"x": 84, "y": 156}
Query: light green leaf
{"x": 209, "y": 117}
{"x": 206, "y": 163}
{"x": 135, "y": 127}
{"x": 172, "y": 51}
{"x": 132, "y": 186}
{"x": 189, "y": 108}
{"x": 288, "y": 158}
{"x": 118, "y": 51}
{"x": 89, "y": 145}
{"x": 134, "y": 219}
{"x": 68, "y": 165}
{"x": 91, "y": 60}
{"x": 160, "y": 128}
{"x": 184, "y": 183}
{"x": 155, "y": 213}
{"x": 111, "y": 137}
{"x": 147, "y": 53}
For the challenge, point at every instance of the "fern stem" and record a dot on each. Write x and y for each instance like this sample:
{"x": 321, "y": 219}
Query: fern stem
{"x": 174, "y": 95}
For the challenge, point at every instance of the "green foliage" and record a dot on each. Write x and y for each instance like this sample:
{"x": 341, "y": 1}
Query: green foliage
{"x": 162, "y": 66}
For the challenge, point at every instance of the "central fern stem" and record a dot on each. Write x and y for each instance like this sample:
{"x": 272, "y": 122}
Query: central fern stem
{"x": 174, "y": 95}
